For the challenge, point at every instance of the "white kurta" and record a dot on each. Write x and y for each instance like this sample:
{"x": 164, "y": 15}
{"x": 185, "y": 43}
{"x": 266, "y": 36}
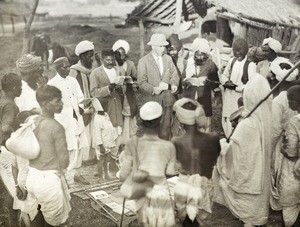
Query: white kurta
{"x": 281, "y": 114}
{"x": 27, "y": 99}
{"x": 71, "y": 96}
{"x": 231, "y": 97}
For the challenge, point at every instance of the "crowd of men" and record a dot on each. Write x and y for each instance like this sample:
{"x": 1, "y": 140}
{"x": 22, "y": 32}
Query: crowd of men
{"x": 85, "y": 113}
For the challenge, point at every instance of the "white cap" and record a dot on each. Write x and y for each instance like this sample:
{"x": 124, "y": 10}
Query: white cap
{"x": 279, "y": 72}
{"x": 121, "y": 43}
{"x": 150, "y": 111}
{"x": 84, "y": 46}
{"x": 273, "y": 44}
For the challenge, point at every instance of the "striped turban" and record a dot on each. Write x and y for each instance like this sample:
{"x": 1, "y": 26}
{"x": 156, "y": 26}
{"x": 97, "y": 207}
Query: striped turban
{"x": 28, "y": 63}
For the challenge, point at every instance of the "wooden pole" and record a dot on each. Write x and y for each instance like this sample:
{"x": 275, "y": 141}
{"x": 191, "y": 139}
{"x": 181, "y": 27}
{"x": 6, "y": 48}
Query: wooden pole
{"x": 142, "y": 38}
{"x": 26, "y": 35}
{"x": 12, "y": 24}
{"x": 2, "y": 24}
{"x": 178, "y": 16}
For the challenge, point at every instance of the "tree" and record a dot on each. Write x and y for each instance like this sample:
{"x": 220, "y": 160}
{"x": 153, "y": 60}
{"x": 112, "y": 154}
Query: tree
{"x": 26, "y": 35}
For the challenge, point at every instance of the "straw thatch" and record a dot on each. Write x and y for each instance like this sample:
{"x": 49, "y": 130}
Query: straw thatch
{"x": 282, "y": 12}
{"x": 253, "y": 20}
{"x": 158, "y": 11}
{"x": 271, "y": 12}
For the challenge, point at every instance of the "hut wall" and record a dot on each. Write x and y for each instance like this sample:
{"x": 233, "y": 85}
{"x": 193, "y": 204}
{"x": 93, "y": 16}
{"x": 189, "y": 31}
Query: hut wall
{"x": 223, "y": 30}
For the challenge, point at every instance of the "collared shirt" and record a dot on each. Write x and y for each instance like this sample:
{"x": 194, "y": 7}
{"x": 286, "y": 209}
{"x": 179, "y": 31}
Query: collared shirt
{"x": 111, "y": 73}
{"x": 71, "y": 96}
{"x": 27, "y": 99}
{"x": 159, "y": 63}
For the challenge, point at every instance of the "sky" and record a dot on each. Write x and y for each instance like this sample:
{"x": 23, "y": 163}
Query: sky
{"x": 86, "y": 7}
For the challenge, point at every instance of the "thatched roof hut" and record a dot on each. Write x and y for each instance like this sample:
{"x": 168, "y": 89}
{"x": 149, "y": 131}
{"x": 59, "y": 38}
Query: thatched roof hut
{"x": 253, "y": 20}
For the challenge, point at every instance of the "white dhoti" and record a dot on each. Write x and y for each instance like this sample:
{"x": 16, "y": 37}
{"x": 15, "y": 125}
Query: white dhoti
{"x": 49, "y": 189}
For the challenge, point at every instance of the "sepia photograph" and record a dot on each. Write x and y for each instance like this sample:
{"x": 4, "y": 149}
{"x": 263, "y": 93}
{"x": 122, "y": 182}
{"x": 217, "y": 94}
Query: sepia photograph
{"x": 149, "y": 113}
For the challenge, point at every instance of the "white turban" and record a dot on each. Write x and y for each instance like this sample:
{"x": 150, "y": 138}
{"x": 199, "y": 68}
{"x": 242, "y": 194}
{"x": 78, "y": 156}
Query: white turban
{"x": 273, "y": 44}
{"x": 281, "y": 73}
{"x": 84, "y": 46}
{"x": 201, "y": 45}
{"x": 189, "y": 117}
{"x": 121, "y": 43}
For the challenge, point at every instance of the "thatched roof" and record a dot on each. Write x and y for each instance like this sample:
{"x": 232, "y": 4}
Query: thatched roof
{"x": 159, "y": 11}
{"x": 271, "y": 12}
{"x": 281, "y": 12}
{"x": 14, "y": 9}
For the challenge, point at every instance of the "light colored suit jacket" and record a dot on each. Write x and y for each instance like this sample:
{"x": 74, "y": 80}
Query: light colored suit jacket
{"x": 112, "y": 101}
{"x": 149, "y": 76}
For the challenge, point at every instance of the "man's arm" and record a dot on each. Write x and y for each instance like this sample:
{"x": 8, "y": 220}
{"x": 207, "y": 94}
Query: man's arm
{"x": 170, "y": 170}
{"x": 225, "y": 76}
{"x": 142, "y": 77}
{"x": 9, "y": 117}
{"x": 60, "y": 146}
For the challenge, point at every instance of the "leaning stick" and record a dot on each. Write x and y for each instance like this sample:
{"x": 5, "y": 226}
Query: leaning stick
{"x": 269, "y": 94}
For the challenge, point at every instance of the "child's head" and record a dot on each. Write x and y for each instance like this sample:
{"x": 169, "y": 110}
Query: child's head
{"x": 293, "y": 95}
{"x": 11, "y": 82}
{"x": 49, "y": 98}
{"x": 240, "y": 48}
{"x": 150, "y": 114}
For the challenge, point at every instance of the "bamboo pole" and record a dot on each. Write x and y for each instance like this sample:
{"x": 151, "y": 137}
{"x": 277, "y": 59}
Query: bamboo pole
{"x": 178, "y": 16}
{"x": 142, "y": 38}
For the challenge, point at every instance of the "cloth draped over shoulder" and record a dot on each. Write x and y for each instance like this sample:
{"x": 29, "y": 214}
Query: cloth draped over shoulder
{"x": 242, "y": 173}
{"x": 82, "y": 74}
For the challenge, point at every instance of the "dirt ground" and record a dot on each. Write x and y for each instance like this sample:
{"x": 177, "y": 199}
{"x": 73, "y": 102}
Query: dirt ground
{"x": 103, "y": 33}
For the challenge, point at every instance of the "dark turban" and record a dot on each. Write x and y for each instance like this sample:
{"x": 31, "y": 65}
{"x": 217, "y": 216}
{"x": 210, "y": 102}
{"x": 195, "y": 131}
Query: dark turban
{"x": 174, "y": 40}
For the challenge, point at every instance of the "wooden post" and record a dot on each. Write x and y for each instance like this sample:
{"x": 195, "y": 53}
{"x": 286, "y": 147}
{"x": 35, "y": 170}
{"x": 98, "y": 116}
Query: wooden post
{"x": 178, "y": 16}
{"x": 12, "y": 23}
{"x": 26, "y": 35}
{"x": 142, "y": 38}
{"x": 2, "y": 25}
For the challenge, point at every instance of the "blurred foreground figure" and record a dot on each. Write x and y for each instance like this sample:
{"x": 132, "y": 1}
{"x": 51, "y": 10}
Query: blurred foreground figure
{"x": 242, "y": 173}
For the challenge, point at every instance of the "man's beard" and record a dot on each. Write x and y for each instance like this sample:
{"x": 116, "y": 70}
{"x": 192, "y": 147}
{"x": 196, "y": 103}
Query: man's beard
{"x": 120, "y": 61}
{"x": 88, "y": 65}
{"x": 199, "y": 62}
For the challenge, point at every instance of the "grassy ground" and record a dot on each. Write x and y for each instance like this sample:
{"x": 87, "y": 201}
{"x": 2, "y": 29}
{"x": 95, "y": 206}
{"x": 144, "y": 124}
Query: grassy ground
{"x": 103, "y": 34}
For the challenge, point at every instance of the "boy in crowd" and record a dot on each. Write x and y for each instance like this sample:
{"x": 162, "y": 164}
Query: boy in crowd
{"x": 47, "y": 189}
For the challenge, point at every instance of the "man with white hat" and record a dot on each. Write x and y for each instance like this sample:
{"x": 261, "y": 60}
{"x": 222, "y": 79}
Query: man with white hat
{"x": 201, "y": 77}
{"x": 81, "y": 71}
{"x": 127, "y": 68}
{"x": 158, "y": 79}
{"x": 268, "y": 51}
{"x": 156, "y": 158}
